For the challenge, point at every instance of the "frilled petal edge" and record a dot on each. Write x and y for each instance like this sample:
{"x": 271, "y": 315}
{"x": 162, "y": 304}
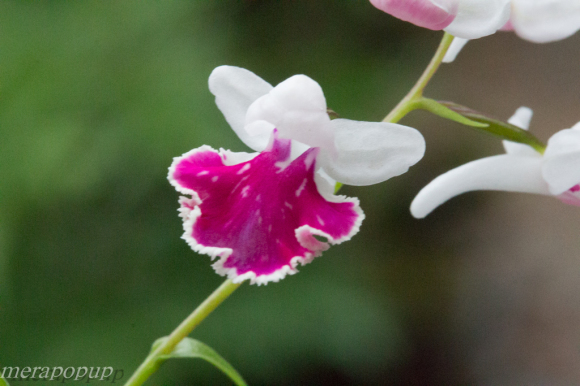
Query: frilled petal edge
{"x": 235, "y": 89}
{"x": 371, "y": 152}
{"x": 259, "y": 217}
{"x": 502, "y": 172}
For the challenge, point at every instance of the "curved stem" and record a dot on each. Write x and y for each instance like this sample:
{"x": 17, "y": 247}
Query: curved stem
{"x": 407, "y": 104}
{"x": 151, "y": 363}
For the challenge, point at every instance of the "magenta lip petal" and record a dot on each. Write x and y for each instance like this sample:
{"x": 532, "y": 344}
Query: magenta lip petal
{"x": 419, "y": 12}
{"x": 259, "y": 216}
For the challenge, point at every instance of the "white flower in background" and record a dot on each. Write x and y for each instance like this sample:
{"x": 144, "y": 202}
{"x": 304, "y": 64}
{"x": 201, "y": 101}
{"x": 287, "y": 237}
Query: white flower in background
{"x": 521, "y": 169}
{"x": 539, "y": 21}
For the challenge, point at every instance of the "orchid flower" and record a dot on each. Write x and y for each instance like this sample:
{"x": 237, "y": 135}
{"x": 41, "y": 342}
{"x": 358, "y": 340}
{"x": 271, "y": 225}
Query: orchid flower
{"x": 521, "y": 169}
{"x": 260, "y": 212}
{"x": 535, "y": 20}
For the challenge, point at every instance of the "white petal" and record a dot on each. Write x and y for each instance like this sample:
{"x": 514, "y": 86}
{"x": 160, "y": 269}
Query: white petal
{"x": 501, "y": 172}
{"x": 324, "y": 183}
{"x": 235, "y": 89}
{"x": 562, "y": 161}
{"x": 521, "y": 119}
{"x": 233, "y": 158}
{"x": 477, "y": 18}
{"x": 545, "y": 20}
{"x": 370, "y": 152}
{"x": 454, "y": 49}
{"x": 297, "y": 108}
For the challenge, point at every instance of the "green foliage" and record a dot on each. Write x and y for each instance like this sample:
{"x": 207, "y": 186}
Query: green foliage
{"x": 192, "y": 348}
{"x": 445, "y": 112}
{"x": 95, "y": 100}
{"x": 496, "y": 127}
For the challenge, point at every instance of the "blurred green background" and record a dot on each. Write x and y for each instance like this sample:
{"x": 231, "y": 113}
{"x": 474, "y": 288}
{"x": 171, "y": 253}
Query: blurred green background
{"x": 96, "y": 97}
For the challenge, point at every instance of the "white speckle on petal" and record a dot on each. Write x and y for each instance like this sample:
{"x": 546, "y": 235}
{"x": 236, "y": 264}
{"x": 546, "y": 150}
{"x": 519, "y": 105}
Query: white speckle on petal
{"x": 244, "y": 192}
{"x": 320, "y": 220}
{"x": 310, "y": 158}
{"x": 214, "y": 178}
{"x": 288, "y": 205}
{"x": 244, "y": 169}
{"x": 203, "y": 173}
{"x": 281, "y": 165}
{"x": 301, "y": 188}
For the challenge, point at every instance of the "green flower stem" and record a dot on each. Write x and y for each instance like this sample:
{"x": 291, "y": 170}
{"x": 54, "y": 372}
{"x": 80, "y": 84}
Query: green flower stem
{"x": 152, "y": 363}
{"x": 407, "y": 104}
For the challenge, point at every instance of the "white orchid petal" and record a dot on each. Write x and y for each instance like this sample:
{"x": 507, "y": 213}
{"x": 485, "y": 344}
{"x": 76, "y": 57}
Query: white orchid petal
{"x": 325, "y": 184}
{"x": 369, "y": 152}
{"x": 230, "y": 158}
{"x": 501, "y": 172}
{"x": 521, "y": 118}
{"x": 235, "y": 89}
{"x": 561, "y": 168}
{"x": 477, "y": 18}
{"x": 454, "y": 49}
{"x": 544, "y": 21}
{"x": 259, "y": 128}
{"x": 297, "y": 108}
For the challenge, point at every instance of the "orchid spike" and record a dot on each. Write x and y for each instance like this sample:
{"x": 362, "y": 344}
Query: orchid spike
{"x": 259, "y": 213}
{"x": 539, "y": 21}
{"x": 521, "y": 169}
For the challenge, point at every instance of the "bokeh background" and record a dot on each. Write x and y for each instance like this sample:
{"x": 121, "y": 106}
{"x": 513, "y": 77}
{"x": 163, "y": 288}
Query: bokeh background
{"x": 96, "y": 97}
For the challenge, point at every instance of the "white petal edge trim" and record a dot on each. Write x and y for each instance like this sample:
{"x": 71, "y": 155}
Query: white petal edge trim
{"x": 228, "y": 157}
{"x": 301, "y": 234}
{"x": 190, "y": 216}
{"x": 502, "y": 172}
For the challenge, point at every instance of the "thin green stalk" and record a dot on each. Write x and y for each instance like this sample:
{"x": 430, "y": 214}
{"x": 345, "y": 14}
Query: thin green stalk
{"x": 151, "y": 363}
{"x": 407, "y": 104}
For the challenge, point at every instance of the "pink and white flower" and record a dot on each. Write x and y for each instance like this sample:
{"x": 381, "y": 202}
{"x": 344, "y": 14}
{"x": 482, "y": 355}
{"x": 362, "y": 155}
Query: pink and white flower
{"x": 535, "y": 20}
{"x": 260, "y": 212}
{"x": 521, "y": 169}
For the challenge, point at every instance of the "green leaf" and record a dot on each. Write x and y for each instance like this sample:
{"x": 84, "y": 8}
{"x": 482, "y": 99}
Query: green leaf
{"x": 191, "y": 348}
{"x": 443, "y": 111}
{"x": 3, "y": 382}
{"x": 498, "y": 128}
